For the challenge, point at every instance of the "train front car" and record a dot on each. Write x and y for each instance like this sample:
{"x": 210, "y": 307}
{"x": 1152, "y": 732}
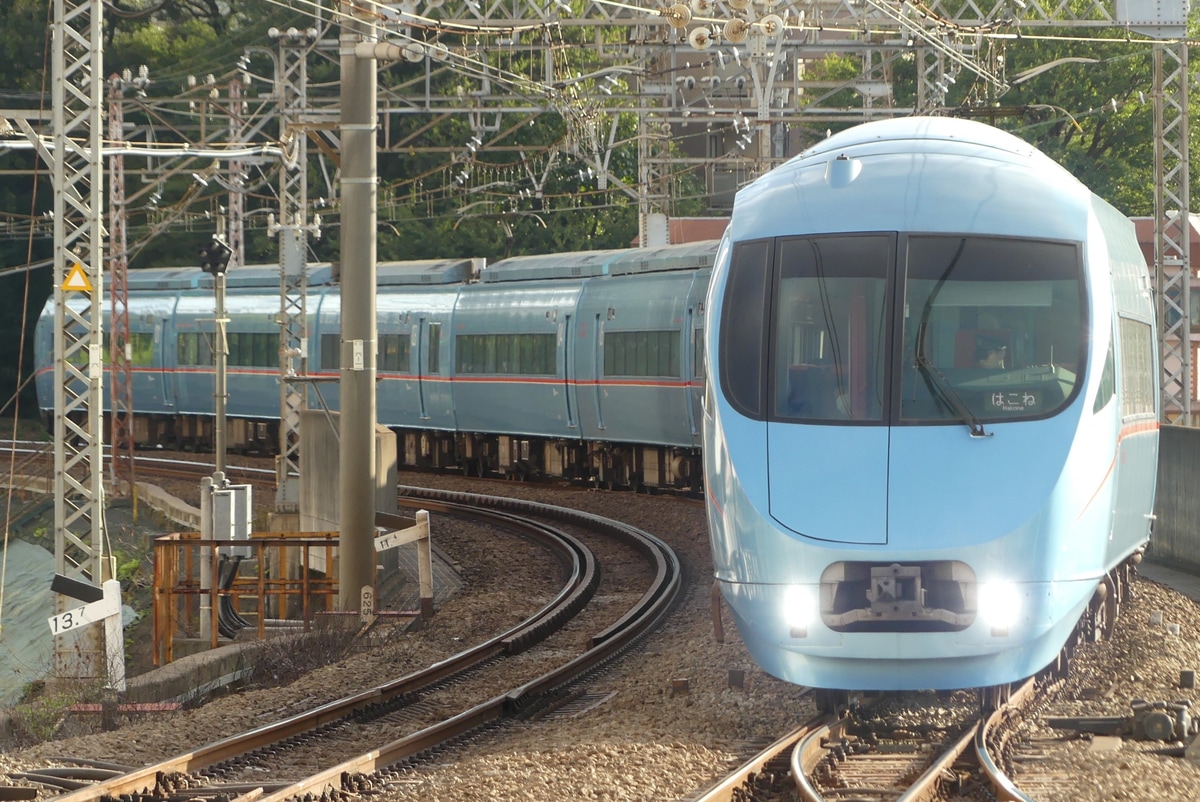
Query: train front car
{"x": 931, "y": 425}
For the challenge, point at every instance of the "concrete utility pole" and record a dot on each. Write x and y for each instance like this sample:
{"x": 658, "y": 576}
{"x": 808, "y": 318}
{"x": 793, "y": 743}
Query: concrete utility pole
{"x": 122, "y": 470}
{"x": 356, "y": 551}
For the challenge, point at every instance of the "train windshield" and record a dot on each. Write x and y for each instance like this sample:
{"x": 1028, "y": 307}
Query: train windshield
{"x": 830, "y": 332}
{"x": 885, "y": 328}
{"x": 992, "y": 328}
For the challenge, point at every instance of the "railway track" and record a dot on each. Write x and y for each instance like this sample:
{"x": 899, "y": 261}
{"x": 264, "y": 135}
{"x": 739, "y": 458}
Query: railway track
{"x": 36, "y": 458}
{"x": 831, "y": 758}
{"x": 350, "y": 744}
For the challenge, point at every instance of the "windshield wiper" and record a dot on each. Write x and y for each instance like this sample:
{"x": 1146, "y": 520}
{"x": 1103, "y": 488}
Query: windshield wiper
{"x": 938, "y": 384}
{"x": 941, "y": 387}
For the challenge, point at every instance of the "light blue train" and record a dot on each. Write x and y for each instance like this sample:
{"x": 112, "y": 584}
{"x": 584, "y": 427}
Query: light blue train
{"x": 931, "y": 424}
{"x": 582, "y": 366}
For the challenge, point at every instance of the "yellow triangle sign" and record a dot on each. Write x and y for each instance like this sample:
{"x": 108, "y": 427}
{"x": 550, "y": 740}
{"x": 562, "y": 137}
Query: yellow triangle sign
{"x": 77, "y": 280}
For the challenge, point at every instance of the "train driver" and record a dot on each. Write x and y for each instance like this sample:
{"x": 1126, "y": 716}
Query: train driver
{"x": 990, "y": 353}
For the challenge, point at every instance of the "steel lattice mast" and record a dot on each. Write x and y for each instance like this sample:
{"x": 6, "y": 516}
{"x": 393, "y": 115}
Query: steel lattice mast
{"x": 291, "y": 86}
{"x": 76, "y": 168}
{"x": 1173, "y": 230}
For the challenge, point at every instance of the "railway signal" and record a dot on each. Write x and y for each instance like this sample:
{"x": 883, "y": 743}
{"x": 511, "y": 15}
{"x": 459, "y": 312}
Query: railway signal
{"x": 214, "y": 257}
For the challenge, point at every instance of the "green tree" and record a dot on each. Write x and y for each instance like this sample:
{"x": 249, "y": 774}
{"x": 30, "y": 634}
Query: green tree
{"x": 1092, "y": 115}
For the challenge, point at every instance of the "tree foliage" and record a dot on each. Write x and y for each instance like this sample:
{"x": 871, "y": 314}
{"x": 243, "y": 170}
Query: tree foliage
{"x": 495, "y": 185}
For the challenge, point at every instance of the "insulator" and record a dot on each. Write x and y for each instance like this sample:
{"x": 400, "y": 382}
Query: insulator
{"x": 701, "y": 38}
{"x": 771, "y": 25}
{"x": 678, "y": 15}
{"x": 736, "y": 31}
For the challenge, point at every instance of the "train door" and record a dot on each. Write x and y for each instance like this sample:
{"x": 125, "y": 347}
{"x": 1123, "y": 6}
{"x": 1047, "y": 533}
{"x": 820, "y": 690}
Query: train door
{"x": 425, "y": 350}
{"x": 564, "y": 339}
{"x": 1135, "y": 469}
{"x": 693, "y": 330}
{"x": 434, "y": 402}
{"x": 825, "y": 432}
{"x": 597, "y": 368}
{"x": 166, "y": 360}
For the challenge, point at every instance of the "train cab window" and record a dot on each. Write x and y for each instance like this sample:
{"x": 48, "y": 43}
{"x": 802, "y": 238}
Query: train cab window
{"x": 743, "y": 325}
{"x": 830, "y": 328}
{"x": 993, "y": 329}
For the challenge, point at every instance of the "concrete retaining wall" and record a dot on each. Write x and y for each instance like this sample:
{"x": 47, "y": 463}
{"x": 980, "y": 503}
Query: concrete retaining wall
{"x": 1176, "y": 538}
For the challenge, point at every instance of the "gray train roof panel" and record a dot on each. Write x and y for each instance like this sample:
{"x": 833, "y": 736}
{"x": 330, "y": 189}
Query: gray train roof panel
{"x": 668, "y": 257}
{"x": 193, "y": 278}
{"x": 165, "y": 278}
{"x": 549, "y": 265}
{"x": 600, "y": 263}
{"x": 428, "y": 271}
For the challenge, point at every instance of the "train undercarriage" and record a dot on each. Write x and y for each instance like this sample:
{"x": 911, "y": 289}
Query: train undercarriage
{"x": 628, "y": 466}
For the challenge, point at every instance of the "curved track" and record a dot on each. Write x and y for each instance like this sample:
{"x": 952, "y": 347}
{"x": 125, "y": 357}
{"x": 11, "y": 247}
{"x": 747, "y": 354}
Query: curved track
{"x": 195, "y": 772}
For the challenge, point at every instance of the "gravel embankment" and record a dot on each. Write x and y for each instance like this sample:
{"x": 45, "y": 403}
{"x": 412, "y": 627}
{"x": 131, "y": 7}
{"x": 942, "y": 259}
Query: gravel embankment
{"x": 641, "y": 741}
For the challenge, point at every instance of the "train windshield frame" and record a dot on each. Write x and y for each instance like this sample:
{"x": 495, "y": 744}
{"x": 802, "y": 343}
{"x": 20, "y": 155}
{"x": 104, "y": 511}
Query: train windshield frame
{"x": 882, "y": 328}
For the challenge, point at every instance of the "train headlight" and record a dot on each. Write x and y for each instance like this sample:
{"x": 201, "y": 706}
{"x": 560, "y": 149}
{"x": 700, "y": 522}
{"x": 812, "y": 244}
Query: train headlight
{"x": 799, "y": 609}
{"x": 999, "y": 606}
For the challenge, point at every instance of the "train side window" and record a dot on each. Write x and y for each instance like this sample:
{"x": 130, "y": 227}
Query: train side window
{"x": 1137, "y": 367}
{"x": 234, "y": 341}
{"x": 508, "y": 354}
{"x": 698, "y": 364}
{"x": 642, "y": 353}
{"x": 141, "y": 348}
{"x": 266, "y": 350}
{"x": 744, "y": 315}
{"x": 464, "y": 354}
{"x": 194, "y": 348}
{"x": 331, "y": 345}
{"x": 435, "y": 343}
{"x": 394, "y": 353}
{"x": 1108, "y": 384}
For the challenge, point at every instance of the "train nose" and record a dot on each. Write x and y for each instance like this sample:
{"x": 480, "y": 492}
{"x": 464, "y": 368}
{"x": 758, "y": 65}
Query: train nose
{"x": 829, "y": 482}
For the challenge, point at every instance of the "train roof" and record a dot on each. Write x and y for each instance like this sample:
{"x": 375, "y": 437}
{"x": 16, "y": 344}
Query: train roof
{"x": 603, "y": 263}
{"x": 936, "y": 132}
{"x": 193, "y": 278}
{"x": 427, "y": 271}
{"x": 927, "y": 174}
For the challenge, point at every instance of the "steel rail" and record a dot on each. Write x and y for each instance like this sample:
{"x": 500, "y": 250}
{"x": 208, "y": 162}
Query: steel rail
{"x": 584, "y": 575}
{"x": 1003, "y": 787}
{"x": 347, "y": 775}
{"x": 811, "y": 750}
{"x": 738, "y": 785}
